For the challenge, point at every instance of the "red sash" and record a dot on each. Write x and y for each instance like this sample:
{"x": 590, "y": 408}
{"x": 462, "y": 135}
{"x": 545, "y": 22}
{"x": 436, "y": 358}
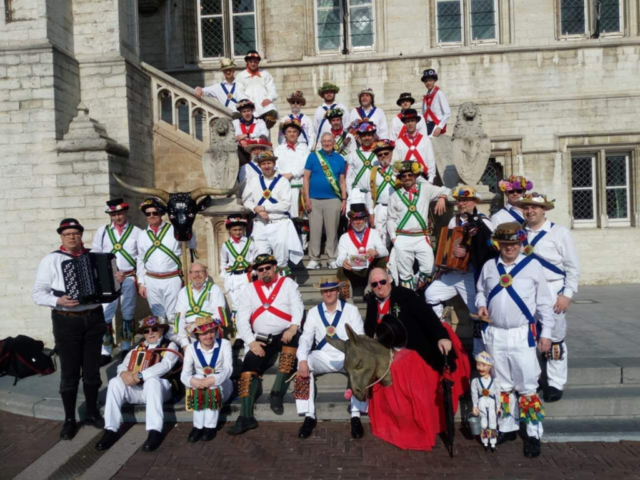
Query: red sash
{"x": 384, "y": 310}
{"x": 249, "y": 131}
{"x": 414, "y": 152}
{"x": 355, "y": 240}
{"x": 266, "y": 302}
{"x": 428, "y": 100}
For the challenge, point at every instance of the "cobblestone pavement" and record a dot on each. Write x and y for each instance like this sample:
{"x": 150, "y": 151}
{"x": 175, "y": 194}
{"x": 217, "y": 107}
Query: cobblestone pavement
{"x": 273, "y": 451}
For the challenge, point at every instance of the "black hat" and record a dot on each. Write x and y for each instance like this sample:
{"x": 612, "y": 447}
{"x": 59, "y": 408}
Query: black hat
{"x": 405, "y": 96}
{"x": 410, "y": 114}
{"x": 116, "y": 205}
{"x": 429, "y": 73}
{"x": 358, "y": 210}
{"x": 153, "y": 203}
{"x": 391, "y": 332}
{"x": 264, "y": 259}
{"x": 252, "y": 55}
{"x": 68, "y": 223}
{"x": 235, "y": 220}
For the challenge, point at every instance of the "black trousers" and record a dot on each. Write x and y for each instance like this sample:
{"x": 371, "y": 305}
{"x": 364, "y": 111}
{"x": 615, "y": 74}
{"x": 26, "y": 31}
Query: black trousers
{"x": 78, "y": 344}
{"x": 431, "y": 126}
{"x": 254, "y": 363}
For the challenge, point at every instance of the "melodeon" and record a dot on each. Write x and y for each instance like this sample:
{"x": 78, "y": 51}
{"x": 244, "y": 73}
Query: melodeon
{"x": 91, "y": 278}
{"x": 143, "y": 358}
{"x": 449, "y": 238}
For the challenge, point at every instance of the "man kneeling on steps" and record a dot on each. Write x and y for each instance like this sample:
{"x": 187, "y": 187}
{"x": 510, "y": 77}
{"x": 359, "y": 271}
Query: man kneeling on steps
{"x": 139, "y": 381}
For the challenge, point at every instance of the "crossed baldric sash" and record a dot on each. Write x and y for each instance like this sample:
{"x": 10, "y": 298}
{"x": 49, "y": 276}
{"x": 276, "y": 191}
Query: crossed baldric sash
{"x": 331, "y": 328}
{"x": 366, "y": 166}
{"x": 196, "y": 306}
{"x": 229, "y": 94}
{"x": 529, "y": 251}
{"x": 240, "y": 259}
{"x": 158, "y": 245}
{"x": 412, "y": 211}
{"x": 118, "y": 246}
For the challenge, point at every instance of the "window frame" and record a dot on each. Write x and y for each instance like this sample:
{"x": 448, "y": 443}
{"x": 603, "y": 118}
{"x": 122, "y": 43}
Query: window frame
{"x": 591, "y": 222}
{"x": 590, "y": 22}
{"x": 466, "y": 27}
{"x": 345, "y": 30}
{"x": 627, "y": 155}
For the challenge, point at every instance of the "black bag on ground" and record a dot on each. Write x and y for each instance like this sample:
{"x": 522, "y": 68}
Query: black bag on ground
{"x": 23, "y": 356}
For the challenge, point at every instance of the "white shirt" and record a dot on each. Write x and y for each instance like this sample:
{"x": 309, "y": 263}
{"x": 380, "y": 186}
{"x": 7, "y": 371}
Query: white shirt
{"x": 259, "y": 87}
{"x": 249, "y": 171}
{"x": 557, "y": 248}
{"x": 531, "y": 286}
{"x": 346, "y": 246}
{"x": 319, "y": 127}
{"x": 49, "y": 277}
{"x": 214, "y": 305}
{"x": 398, "y": 127}
{"x": 158, "y": 370}
{"x": 102, "y": 244}
{"x": 418, "y": 149}
{"x": 193, "y": 368}
{"x": 440, "y": 108}
{"x": 397, "y": 209}
{"x": 216, "y": 91}
{"x": 355, "y": 165}
{"x": 288, "y": 300}
{"x": 260, "y": 129}
{"x": 314, "y": 329}
{"x": 348, "y": 142}
{"x": 376, "y": 116}
{"x": 290, "y": 161}
{"x": 490, "y": 384}
{"x": 503, "y": 215}
{"x": 383, "y": 194}
{"x": 159, "y": 262}
{"x": 228, "y": 258}
{"x": 307, "y": 128}
{"x": 281, "y": 193}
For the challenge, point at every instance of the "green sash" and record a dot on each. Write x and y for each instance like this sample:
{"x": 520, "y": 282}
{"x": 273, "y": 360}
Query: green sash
{"x": 387, "y": 179}
{"x": 412, "y": 210}
{"x": 366, "y": 166}
{"x": 157, "y": 244}
{"x": 196, "y": 306}
{"x": 331, "y": 177}
{"x": 118, "y": 247}
{"x": 240, "y": 262}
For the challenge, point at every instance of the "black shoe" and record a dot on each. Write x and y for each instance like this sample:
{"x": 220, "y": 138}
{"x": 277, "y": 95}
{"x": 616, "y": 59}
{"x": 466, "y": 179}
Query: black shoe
{"x": 531, "y": 448}
{"x": 307, "y": 427}
{"x": 275, "y": 399}
{"x": 69, "y": 430}
{"x": 108, "y": 439}
{"x": 243, "y": 424}
{"x": 552, "y": 394}
{"x": 357, "y": 432}
{"x": 105, "y": 360}
{"x": 195, "y": 435}
{"x": 94, "y": 419}
{"x": 493, "y": 449}
{"x": 153, "y": 441}
{"x": 506, "y": 437}
{"x": 209, "y": 434}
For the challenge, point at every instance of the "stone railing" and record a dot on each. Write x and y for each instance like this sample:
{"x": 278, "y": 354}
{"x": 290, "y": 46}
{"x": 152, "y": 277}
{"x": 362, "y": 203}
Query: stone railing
{"x": 175, "y": 103}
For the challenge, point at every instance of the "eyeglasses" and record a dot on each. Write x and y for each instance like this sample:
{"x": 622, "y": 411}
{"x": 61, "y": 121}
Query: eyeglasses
{"x": 519, "y": 192}
{"x": 375, "y": 284}
{"x": 72, "y": 234}
{"x": 384, "y": 154}
{"x": 151, "y": 214}
{"x": 146, "y": 331}
{"x": 264, "y": 269}
{"x": 295, "y": 102}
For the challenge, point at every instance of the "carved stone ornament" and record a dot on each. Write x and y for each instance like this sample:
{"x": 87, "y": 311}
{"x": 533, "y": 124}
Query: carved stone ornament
{"x": 471, "y": 146}
{"x": 220, "y": 162}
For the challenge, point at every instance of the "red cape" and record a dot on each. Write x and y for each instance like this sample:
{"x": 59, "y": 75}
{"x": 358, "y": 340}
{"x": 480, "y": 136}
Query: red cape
{"x": 410, "y": 413}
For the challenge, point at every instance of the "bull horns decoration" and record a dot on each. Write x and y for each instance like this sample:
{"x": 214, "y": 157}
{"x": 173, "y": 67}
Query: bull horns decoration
{"x": 164, "y": 195}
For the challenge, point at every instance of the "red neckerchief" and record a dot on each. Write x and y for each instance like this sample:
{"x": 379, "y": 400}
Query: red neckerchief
{"x": 119, "y": 228}
{"x": 155, "y": 230}
{"x": 337, "y": 132}
{"x": 356, "y": 242}
{"x": 365, "y": 149}
{"x": 383, "y": 308}
{"x": 291, "y": 146}
{"x": 81, "y": 252}
{"x": 236, "y": 240}
{"x": 412, "y": 191}
{"x": 252, "y": 74}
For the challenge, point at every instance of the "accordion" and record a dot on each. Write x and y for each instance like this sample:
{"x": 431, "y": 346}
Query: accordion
{"x": 449, "y": 238}
{"x": 91, "y": 278}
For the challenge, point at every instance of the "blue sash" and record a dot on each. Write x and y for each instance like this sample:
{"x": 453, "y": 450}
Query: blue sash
{"x": 487, "y": 388}
{"x": 326, "y": 109}
{"x": 214, "y": 357}
{"x": 299, "y": 118}
{"x": 333, "y": 324}
{"x": 514, "y": 295}
{"x": 545, "y": 263}
{"x": 255, "y": 167}
{"x": 270, "y": 189}
{"x": 233, "y": 89}
{"x": 360, "y": 111}
{"x": 516, "y": 216}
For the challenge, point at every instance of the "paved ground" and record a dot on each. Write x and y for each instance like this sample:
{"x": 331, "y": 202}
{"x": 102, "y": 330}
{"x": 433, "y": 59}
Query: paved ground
{"x": 273, "y": 451}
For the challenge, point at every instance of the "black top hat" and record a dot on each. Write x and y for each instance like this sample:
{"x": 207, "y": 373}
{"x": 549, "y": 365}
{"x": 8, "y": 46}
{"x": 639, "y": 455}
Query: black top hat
{"x": 68, "y": 223}
{"x": 391, "y": 332}
{"x": 116, "y": 205}
{"x": 429, "y": 73}
{"x": 405, "y": 96}
{"x": 410, "y": 114}
{"x": 358, "y": 210}
{"x": 252, "y": 55}
{"x": 235, "y": 220}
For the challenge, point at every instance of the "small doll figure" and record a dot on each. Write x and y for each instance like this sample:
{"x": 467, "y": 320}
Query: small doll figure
{"x": 485, "y": 394}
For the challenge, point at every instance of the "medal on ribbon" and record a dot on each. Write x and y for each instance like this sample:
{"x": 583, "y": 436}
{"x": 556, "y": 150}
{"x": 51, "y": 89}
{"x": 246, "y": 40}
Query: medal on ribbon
{"x": 412, "y": 208}
{"x": 331, "y": 331}
{"x": 208, "y": 370}
{"x": 506, "y": 281}
{"x": 528, "y": 250}
{"x": 208, "y": 367}
{"x": 229, "y": 96}
{"x": 156, "y": 243}
{"x": 485, "y": 392}
{"x": 117, "y": 247}
{"x": 239, "y": 258}
{"x": 196, "y": 309}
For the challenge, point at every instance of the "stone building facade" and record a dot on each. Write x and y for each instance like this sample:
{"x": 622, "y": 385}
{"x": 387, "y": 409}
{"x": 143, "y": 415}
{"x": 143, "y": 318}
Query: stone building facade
{"x": 556, "y": 81}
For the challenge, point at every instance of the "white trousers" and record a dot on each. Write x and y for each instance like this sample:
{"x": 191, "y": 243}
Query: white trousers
{"x": 557, "y": 370}
{"x": 209, "y": 418}
{"x": 153, "y": 393}
{"x": 516, "y": 367}
{"x": 319, "y": 364}
{"x": 381, "y": 212}
{"x": 127, "y": 305}
{"x": 408, "y": 249}
{"x": 162, "y": 295}
{"x": 233, "y": 284}
{"x": 487, "y": 408}
{"x": 446, "y": 288}
{"x": 274, "y": 238}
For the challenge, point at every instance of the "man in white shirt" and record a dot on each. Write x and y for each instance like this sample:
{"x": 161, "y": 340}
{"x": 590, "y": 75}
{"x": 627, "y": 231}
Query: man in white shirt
{"x": 269, "y": 197}
{"x": 253, "y": 147}
{"x": 344, "y": 141}
{"x": 139, "y": 380}
{"x": 258, "y": 85}
{"x": 248, "y": 127}
{"x": 269, "y": 317}
{"x": 415, "y": 147}
{"x": 360, "y": 160}
{"x": 159, "y": 265}
{"x": 321, "y": 124}
{"x": 228, "y": 92}
{"x": 405, "y": 101}
{"x": 512, "y": 292}
{"x": 552, "y": 245}
{"x": 368, "y": 112}
{"x": 120, "y": 237}
{"x": 435, "y": 107}
{"x": 328, "y": 319}
{"x": 408, "y": 224}
{"x": 307, "y": 135}
{"x": 514, "y": 188}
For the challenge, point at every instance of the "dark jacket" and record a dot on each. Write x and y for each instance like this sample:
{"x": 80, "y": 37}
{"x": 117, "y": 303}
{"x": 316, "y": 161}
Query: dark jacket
{"x": 424, "y": 328}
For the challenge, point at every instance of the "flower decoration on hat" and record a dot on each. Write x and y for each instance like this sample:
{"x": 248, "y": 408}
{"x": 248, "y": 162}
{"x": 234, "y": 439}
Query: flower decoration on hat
{"x": 245, "y": 103}
{"x": 290, "y": 122}
{"x": 405, "y": 166}
{"x": 383, "y": 144}
{"x": 362, "y": 126}
{"x": 116, "y": 205}
{"x": 334, "y": 113}
{"x": 252, "y": 55}
{"x": 429, "y": 73}
{"x": 153, "y": 203}
{"x": 465, "y": 192}
{"x": 152, "y": 321}
{"x": 264, "y": 259}
{"x": 235, "y": 221}
{"x": 510, "y": 232}
{"x": 328, "y": 87}
{"x": 266, "y": 156}
{"x": 203, "y": 325}
{"x": 538, "y": 199}
{"x": 358, "y": 210}
{"x": 515, "y": 183}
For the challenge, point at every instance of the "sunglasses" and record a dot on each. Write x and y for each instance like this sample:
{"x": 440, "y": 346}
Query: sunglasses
{"x": 519, "y": 192}
{"x": 295, "y": 102}
{"x": 375, "y": 284}
{"x": 151, "y": 214}
{"x": 146, "y": 331}
{"x": 264, "y": 269}
{"x": 384, "y": 154}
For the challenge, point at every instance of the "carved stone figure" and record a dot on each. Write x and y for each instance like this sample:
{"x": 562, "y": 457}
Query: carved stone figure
{"x": 444, "y": 160}
{"x": 471, "y": 146}
{"x": 220, "y": 162}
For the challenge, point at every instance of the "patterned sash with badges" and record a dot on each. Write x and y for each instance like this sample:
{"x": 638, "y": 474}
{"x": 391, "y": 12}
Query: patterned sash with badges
{"x": 412, "y": 211}
{"x": 328, "y": 172}
{"x": 158, "y": 245}
{"x": 366, "y": 166}
{"x": 240, "y": 262}
{"x": 387, "y": 181}
{"x": 118, "y": 246}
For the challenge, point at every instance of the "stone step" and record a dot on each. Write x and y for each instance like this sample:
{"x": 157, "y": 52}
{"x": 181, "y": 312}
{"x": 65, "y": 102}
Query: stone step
{"x": 592, "y": 430}
{"x": 597, "y": 401}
